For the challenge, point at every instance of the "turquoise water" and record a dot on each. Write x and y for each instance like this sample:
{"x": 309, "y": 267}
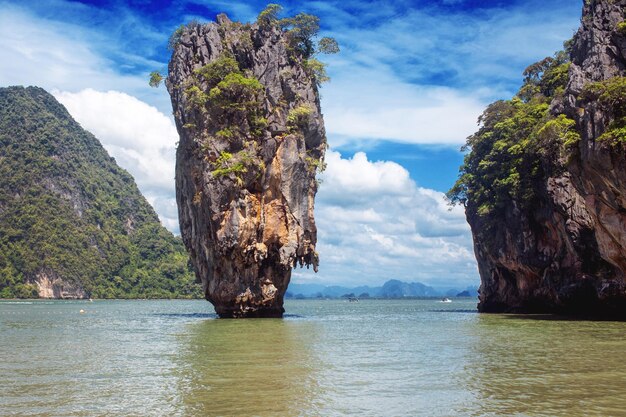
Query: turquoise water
{"x": 326, "y": 358}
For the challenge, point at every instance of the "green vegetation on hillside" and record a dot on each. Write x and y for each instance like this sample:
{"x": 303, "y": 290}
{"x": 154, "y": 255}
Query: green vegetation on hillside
{"x": 514, "y": 139}
{"x": 611, "y": 96}
{"x": 68, "y": 211}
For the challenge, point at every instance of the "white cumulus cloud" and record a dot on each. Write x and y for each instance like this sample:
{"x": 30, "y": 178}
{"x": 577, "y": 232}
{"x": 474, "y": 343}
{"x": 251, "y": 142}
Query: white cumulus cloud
{"x": 67, "y": 57}
{"x": 374, "y": 224}
{"x": 388, "y": 108}
{"x": 140, "y": 138}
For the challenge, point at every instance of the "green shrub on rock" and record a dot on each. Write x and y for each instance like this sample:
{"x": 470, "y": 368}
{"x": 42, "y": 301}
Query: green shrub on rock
{"x": 196, "y": 97}
{"x": 214, "y": 72}
{"x": 317, "y": 70}
{"x": 298, "y": 117}
{"x": 611, "y": 95}
{"x": 236, "y": 92}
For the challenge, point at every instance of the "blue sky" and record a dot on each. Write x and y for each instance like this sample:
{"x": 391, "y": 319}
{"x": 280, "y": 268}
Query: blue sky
{"x": 406, "y": 90}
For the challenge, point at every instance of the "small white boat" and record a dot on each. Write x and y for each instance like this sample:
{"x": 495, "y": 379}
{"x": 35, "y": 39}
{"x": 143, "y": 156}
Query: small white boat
{"x": 445, "y": 300}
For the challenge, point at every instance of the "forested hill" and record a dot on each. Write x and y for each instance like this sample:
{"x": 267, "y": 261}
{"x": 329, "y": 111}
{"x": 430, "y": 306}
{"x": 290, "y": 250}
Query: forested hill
{"x": 72, "y": 222}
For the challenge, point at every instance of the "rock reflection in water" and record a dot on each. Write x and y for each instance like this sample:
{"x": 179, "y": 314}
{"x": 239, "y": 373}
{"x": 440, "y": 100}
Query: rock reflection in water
{"x": 535, "y": 366}
{"x": 258, "y": 367}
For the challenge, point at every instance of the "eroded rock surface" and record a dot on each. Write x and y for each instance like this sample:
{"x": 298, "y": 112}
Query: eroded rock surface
{"x": 246, "y": 162}
{"x": 569, "y": 253}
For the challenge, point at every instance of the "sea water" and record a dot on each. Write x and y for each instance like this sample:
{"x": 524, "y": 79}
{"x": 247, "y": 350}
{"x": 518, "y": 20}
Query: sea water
{"x": 325, "y": 358}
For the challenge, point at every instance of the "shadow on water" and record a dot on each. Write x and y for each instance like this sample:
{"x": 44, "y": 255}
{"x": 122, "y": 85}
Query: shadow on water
{"x": 213, "y": 316}
{"x": 536, "y": 316}
{"x": 454, "y": 311}
{"x": 293, "y": 316}
{"x": 247, "y": 367}
{"x": 561, "y": 317}
{"x": 188, "y": 315}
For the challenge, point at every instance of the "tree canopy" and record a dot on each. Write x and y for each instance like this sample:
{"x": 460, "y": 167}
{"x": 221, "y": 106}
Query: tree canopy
{"x": 302, "y": 31}
{"x": 517, "y": 142}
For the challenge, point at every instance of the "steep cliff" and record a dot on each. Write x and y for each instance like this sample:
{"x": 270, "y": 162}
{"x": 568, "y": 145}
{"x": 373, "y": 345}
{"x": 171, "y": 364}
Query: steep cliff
{"x": 252, "y": 138}
{"x": 72, "y": 223}
{"x": 545, "y": 181}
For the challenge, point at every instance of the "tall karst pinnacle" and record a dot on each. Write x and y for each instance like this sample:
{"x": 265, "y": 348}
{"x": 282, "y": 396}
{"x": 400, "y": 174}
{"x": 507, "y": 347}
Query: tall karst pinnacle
{"x": 247, "y": 109}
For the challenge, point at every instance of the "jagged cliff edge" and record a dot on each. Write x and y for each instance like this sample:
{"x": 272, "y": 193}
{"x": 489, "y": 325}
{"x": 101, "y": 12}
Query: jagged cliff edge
{"x": 566, "y": 253}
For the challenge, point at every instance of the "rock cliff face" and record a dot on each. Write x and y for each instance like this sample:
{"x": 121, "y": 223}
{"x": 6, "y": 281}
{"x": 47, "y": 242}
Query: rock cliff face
{"x": 566, "y": 252}
{"x": 251, "y": 140}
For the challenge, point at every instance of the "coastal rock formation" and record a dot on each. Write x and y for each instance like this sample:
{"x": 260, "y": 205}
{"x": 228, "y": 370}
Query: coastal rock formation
{"x": 547, "y": 207}
{"x": 57, "y": 287}
{"x": 73, "y": 224}
{"x": 252, "y": 138}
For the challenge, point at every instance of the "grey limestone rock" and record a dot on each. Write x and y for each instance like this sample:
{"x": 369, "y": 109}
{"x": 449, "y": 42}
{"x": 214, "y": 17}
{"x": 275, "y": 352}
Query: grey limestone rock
{"x": 569, "y": 255}
{"x": 245, "y": 179}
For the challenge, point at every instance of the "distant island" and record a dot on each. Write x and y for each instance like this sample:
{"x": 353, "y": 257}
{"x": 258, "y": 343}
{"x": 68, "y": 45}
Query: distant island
{"x": 391, "y": 289}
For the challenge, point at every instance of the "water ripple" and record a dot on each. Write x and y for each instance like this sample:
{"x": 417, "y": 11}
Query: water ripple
{"x": 327, "y": 358}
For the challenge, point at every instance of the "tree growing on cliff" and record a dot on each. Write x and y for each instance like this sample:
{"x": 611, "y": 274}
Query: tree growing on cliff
{"x": 514, "y": 137}
{"x": 328, "y": 45}
{"x": 155, "y": 79}
{"x": 269, "y": 15}
{"x": 302, "y": 31}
